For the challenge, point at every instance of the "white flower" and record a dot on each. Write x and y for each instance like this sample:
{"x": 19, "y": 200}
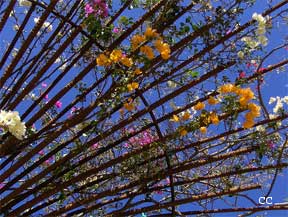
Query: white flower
{"x": 272, "y": 100}
{"x": 272, "y": 116}
{"x": 18, "y": 130}
{"x": 25, "y": 3}
{"x": 260, "y": 30}
{"x": 250, "y": 42}
{"x": 62, "y": 68}
{"x": 36, "y": 20}
{"x": 260, "y": 128}
{"x": 278, "y": 106}
{"x": 285, "y": 99}
{"x": 240, "y": 54}
{"x": 263, "y": 40}
{"x": 48, "y": 26}
{"x": 11, "y": 122}
{"x": 12, "y": 13}
{"x": 16, "y": 27}
{"x": 14, "y": 52}
{"x": 171, "y": 84}
{"x": 57, "y": 60}
{"x": 259, "y": 18}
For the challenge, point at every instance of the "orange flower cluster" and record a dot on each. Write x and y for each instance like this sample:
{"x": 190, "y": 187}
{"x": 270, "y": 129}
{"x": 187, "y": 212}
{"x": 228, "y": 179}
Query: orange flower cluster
{"x": 150, "y": 34}
{"x": 129, "y": 105}
{"x": 254, "y": 111}
{"x": 245, "y": 95}
{"x": 115, "y": 56}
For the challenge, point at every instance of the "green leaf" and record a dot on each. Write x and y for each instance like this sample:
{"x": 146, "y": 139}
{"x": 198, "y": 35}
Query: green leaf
{"x": 194, "y": 74}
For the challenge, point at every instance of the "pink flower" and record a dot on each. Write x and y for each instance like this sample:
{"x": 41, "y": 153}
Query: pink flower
{"x": 74, "y": 109}
{"x": 88, "y": 10}
{"x": 58, "y": 104}
{"x": 271, "y": 145}
{"x": 261, "y": 70}
{"x": 97, "y": 2}
{"x": 168, "y": 180}
{"x": 46, "y": 97}
{"x": 242, "y": 75}
{"x": 94, "y": 146}
{"x": 228, "y": 32}
{"x": 1, "y": 185}
{"x": 41, "y": 152}
{"x": 49, "y": 160}
{"x": 44, "y": 85}
{"x": 116, "y": 30}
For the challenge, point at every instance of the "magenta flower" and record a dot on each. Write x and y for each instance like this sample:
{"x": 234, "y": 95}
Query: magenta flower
{"x": 44, "y": 85}
{"x": 261, "y": 70}
{"x": 2, "y": 185}
{"x": 96, "y": 145}
{"x": 46, "y": 97}
{"x": 141, "y": 139}
{"x": 88, "y": 10}
{"x": 41, "y": 152}
{"x": 49, "y": 160}
{"x": 97, "y": 2}
{"x": 116, "y": 30}
{"x": 271, "y": 145}
{"x": 242, "y": 75}
{"x": 58, "y": 104}
{"x": 228, "y": 32}
{"x": 168, "y": 180}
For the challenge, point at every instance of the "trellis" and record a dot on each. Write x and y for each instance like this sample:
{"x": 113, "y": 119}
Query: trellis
{"x": 41, "y": 187}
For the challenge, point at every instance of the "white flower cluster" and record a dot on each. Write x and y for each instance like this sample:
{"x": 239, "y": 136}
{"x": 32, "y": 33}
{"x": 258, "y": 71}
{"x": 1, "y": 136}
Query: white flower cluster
{"x": 10, "y": 121}
{"x": 260, "y": 32}
{"x": 279, "y": 102}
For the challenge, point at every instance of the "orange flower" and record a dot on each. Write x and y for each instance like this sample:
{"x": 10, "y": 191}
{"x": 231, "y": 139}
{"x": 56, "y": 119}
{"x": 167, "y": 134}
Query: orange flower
{"x": 246, "y": 93}
{"x": 226, "y": 88}
{"x": 127, "y": 61}
{"x": 163, "y": 49}
{"x": 137, "y": 71}
{"x": 203, "y": 130}
{"x": 148, "y": 51}
{"x": 214, "y": 118}
{"x": 137, "y": 40}
{"x": 248, "y": 124}
{"x": 116, "y": 56}
{"x": 102, "y": 60}
{"x": 183, "y": 132}
{"x": 132, "y": 86}
{"x": 254, "y": 109}
{"x": 150, "y": 32}
{"x": 199, "y": 106}
{"x": 186, "y": 116}
{"x": 243, "y": 101}
{"x": 175, "y": 118}
{"x": 212, "y": 101}
{"x": 129, "y": 106}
